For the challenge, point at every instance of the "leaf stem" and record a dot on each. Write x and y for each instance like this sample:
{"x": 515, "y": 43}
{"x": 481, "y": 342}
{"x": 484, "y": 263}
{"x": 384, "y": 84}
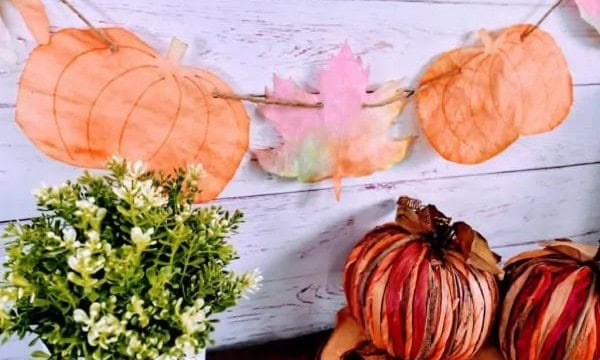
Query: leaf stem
{"x": 101, "y": 34}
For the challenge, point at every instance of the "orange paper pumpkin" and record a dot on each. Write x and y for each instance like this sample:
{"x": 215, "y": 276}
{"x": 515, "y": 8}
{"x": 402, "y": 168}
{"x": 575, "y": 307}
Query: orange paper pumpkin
{"x": 474, "y": 102}
{"x": 80, "y": 103}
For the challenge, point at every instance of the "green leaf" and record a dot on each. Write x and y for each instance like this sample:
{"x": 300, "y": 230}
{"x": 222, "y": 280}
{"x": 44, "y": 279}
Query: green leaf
{"x": 40, "y": 355}
{"x": 33, "y": 342}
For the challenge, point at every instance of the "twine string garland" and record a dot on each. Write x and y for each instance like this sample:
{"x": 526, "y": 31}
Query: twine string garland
{"x": 113, "y": 45}
{"x": 263, "y": 99}
{"x": 541, "y": 20}
{"x": 401, "y": 95}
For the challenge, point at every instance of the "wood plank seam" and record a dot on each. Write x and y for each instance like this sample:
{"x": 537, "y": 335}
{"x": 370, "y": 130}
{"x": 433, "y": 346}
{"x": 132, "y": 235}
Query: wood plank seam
{"x": 384, "y": 184}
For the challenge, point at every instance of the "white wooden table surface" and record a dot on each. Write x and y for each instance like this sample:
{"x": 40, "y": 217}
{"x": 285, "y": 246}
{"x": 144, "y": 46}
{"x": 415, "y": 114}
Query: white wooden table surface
{"x": 542, "y": 187}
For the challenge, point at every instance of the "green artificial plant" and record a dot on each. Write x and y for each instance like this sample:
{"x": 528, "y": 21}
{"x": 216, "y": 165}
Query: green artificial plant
{"x": 121, "y": 266}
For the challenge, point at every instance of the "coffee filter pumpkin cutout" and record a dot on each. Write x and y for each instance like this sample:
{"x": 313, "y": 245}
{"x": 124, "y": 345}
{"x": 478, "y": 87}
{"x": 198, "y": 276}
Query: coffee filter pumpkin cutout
{"x": 82, "y": 100}
{"x": 474, "y": 102}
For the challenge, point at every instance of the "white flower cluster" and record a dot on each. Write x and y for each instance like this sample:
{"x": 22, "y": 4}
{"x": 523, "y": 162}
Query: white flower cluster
{"x": 195, "y": 172}
{"x": 50, "y": 195}
{"x": 87, "y": 259}
{"x": 136, "y": 308}
{"x": 193, "y": 319}
{"x": 86, "y": 207}
{"x": 8, "y": 297}
{"x": 69, "y": 239}
{"x": 186, "y": 212}
{"x": 253, "y": 281}
{"x": 142, "y": 239}
{"x": 139, "y": 193}
{"x": 84, "y": 262}
{"x": 102, "y": 329}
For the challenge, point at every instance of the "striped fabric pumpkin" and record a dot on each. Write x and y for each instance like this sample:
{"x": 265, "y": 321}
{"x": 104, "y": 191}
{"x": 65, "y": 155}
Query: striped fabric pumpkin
{"x": 552, "y": 307}
{"x": 421, "y": 287}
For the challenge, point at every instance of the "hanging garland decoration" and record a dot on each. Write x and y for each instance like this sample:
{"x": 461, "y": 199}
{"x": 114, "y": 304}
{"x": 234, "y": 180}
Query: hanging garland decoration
{"x": 472, "y": 104}
{"x": 89, "y": 94}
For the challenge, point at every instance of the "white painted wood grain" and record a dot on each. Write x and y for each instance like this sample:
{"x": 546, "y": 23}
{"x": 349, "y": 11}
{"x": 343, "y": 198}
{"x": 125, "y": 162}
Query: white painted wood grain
{"x": 300, "y": 240}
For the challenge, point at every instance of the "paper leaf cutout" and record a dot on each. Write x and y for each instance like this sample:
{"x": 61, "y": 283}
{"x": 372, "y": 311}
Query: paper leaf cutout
{"x": 80, "y": 103}
{"x": 340, "y": 139}
{"x": 590, "y": 12}
{"x": 34, "y": 14}
{"x": 474, "y": 102}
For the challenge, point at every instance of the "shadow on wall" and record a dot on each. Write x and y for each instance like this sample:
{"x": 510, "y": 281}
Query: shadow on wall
{"x": 318, "y": 262}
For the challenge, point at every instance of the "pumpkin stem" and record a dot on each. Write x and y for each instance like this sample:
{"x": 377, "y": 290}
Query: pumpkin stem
{"x": 177, "y": 50}
{"x": 487, "y": 40}
{"x": 425, "y": 220}
{"x": 442, "y": 234}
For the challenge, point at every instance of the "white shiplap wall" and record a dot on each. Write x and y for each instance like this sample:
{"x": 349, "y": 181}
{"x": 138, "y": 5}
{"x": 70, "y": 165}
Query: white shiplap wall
{"x": 542, "y": 187}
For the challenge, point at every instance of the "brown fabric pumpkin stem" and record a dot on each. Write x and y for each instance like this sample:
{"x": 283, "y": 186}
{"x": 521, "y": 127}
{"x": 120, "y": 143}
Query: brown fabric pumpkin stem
{"x": 113, "y": 46}
{"x": 426, "y": 220}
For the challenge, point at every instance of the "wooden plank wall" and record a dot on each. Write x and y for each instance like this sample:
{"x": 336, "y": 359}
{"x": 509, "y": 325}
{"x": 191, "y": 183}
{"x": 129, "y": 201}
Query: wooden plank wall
{"x": 542, "y": 187}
